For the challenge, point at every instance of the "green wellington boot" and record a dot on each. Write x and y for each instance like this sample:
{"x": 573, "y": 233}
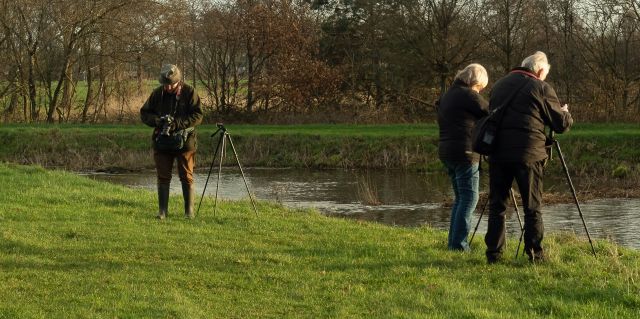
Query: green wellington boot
{"x": 188, "y": 195}
{"x": 163, "y": 201}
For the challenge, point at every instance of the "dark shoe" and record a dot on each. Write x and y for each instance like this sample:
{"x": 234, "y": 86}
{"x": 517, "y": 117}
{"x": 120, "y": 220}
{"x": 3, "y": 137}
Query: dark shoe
{"x": 188, "y": 195}
{"x": 493, "y": 256}
{"x": 163, "y": 201}
{"x": 536, "y": 257}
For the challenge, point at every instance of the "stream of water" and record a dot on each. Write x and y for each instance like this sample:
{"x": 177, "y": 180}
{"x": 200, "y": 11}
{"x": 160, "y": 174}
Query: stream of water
{"x": 394, "y": 197}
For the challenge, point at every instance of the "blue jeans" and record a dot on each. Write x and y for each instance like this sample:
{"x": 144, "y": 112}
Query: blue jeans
{"x": 465, "y": 179}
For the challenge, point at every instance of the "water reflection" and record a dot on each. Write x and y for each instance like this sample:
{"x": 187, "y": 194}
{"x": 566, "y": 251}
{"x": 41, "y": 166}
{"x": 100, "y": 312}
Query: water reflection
{"x": 407, "y": 198}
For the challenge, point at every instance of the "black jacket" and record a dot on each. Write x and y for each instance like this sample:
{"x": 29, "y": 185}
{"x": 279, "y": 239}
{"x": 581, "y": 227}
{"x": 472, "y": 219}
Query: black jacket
{"x": 458, "y": 110}
{"x": 185, "y": 109}
{"x": 521, "y": 137}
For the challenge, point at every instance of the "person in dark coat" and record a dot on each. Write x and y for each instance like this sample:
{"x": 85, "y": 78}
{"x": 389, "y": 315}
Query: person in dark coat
{"x": 175, "y": 106}
{"x": 458, "y": 110}
{"x": 520, "y": 152}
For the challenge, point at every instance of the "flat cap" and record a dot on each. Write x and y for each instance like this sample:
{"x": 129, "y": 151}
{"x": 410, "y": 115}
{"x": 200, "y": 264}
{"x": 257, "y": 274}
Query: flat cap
{"x": 169, "y": 74}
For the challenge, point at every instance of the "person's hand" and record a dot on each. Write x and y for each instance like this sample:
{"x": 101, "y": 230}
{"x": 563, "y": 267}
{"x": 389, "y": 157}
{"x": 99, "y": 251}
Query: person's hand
{"x": 565, "y": 108}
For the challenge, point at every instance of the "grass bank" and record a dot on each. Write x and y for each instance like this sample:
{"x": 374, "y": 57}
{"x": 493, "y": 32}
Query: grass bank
{"x": 71, "y": 247}
{"x": 599, "y": 154}
{"x": 603, "y": 157}
{"x": 599, "y": 148}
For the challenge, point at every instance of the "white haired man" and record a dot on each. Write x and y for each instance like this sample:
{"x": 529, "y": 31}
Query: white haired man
{"x": 520, "y": 151}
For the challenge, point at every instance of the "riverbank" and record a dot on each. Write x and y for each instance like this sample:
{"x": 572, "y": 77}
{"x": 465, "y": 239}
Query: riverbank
{"x": 73, "y": 247}
{"x": 604, "y": 157}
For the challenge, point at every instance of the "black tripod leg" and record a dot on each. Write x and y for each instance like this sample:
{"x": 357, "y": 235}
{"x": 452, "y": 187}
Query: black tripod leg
{"x": 573, "y": 192}
{"x": 242, "y": 173}
{"x": 222, "y": 151}
{"x": 213, "y": 161}
{"x": 515, "y": 205}
{"x": 486, "y": 203}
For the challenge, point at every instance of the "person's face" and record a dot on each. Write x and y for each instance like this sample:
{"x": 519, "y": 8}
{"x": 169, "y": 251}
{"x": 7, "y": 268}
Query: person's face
{"x": 170, "y": 87}
{"x": 479, "y": 87}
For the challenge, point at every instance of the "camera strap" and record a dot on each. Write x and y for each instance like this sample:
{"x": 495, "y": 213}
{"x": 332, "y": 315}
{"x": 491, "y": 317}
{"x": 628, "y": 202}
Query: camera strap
{"x": 173, "y": 107}
{"x": 176, "y": 100}
{"x": 503, "y": 108}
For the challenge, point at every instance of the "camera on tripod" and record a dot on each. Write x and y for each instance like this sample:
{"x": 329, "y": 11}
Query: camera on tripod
{"x": 166, "y": 121}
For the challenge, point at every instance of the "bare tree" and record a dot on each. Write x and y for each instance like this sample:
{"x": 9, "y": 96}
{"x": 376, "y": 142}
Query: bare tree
{"x": 611, "y": 42}
{"x": 219, "y": 48}
{"x": 440, "y": 32}
{"x": 25, "y": 24}
{"x": 509, "y": 25}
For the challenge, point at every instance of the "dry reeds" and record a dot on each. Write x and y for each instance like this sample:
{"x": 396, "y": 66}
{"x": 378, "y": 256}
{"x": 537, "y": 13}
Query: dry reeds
{"x": 367, "y": 192}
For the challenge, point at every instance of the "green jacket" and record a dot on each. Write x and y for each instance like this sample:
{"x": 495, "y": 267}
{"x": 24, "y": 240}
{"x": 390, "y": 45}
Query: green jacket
{"x": 184, "y": 107}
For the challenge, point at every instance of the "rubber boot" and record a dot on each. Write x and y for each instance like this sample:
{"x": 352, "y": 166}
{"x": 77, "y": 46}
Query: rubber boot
{"x": 188, "y": 195}
{"x": 163, "y": 201}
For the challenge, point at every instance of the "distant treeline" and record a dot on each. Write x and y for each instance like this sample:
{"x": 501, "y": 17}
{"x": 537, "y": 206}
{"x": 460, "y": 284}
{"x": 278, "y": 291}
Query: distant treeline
{"x": 307, "y": 60}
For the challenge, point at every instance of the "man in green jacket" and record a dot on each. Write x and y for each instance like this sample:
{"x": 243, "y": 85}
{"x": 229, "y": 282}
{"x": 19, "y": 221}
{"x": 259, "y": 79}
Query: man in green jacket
{"x": 172, "y": 107}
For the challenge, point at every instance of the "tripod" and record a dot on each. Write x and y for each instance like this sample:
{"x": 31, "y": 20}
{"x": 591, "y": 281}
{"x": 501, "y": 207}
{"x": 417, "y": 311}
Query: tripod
{"x": 221, "y": 146}
{"x": 486, "y": 203}
{"x": 573, "y": 191}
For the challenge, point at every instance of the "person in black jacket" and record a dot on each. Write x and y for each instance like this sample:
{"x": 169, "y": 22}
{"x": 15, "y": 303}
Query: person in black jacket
{"x": 458, "y": 110}
{"x": 520, "y": 151}
{"x": 179, "y": 102}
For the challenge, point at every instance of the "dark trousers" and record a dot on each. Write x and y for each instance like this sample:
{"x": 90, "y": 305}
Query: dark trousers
{"x": 529, "y": 180}
{"x": 164, "y": 165}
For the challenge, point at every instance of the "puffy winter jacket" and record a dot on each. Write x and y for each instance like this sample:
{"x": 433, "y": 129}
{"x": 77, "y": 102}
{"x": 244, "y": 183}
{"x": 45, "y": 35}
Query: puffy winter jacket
{"x": 458, "y": 110}
{"x": 521, "y": 137}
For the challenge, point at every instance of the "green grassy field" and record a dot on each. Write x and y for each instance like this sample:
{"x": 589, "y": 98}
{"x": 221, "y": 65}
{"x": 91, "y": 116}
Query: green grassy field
{"x": 71, "y": 247}
{"x": 129, "y": 88}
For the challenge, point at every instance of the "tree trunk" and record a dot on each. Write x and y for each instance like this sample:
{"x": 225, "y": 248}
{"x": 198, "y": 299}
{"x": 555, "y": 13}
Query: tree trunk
{"x": 250, "y": 78}
{"x": 139, "y": 73}
{"x": 32, "y": 87}
{"x": 89, "y": 99}
{"x": 56, "y": 93}
{"x": 68, "y": 92}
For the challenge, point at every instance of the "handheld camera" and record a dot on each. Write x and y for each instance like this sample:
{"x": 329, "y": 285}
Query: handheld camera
{"x": 166, "y": 121}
